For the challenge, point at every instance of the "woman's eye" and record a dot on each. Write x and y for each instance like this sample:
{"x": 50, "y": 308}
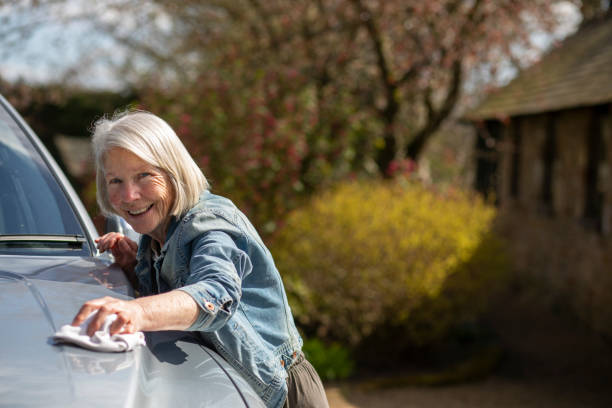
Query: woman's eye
{"x": 114, "y": 181}
{"x": 143, "y": 175}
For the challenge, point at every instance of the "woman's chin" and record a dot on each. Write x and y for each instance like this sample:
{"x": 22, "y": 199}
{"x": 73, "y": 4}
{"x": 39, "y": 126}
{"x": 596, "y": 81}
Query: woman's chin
{"x": 140, "y": 225}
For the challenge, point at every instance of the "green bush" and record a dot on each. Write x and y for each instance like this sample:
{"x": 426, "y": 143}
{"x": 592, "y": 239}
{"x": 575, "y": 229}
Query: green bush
{"x": 332, "y": 362}
{"x": 388, "y": 260}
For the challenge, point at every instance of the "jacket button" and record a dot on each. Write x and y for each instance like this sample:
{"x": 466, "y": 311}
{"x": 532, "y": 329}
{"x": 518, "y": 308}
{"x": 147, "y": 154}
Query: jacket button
{"x": 294, "y": 354}
{"x": 283, "y": 363}
{"x": 209, "y": 306}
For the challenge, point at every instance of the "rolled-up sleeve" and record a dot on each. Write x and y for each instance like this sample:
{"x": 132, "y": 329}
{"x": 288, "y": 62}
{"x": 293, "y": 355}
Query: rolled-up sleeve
{"x": 216, "y": 269}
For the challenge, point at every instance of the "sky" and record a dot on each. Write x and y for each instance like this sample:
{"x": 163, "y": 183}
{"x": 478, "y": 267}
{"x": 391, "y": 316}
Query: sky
{"x": 54, "y": 48}
{"x": 51, "y": 51}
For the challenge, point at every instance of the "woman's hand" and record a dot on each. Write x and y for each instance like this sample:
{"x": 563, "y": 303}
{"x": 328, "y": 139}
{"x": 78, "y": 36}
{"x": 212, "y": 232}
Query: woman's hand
{"x": 130, "y": 315}
{"x": 123, "y": 249}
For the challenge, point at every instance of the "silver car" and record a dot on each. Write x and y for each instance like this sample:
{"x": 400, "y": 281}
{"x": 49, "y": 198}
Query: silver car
{"x": 49, "y": 266}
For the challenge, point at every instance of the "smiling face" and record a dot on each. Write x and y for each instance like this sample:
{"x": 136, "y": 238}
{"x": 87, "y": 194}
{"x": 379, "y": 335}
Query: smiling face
{"x": 139, "y": 192}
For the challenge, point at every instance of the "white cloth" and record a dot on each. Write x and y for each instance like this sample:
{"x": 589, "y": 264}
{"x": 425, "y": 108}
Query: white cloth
{"x": 101, "y": 340}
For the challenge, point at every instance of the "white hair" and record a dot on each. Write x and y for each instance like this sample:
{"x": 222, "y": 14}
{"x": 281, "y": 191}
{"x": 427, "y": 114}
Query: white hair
{"x": 153, "y": 140}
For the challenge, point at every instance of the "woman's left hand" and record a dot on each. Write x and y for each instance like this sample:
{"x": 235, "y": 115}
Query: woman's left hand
{"x": 130, "y": 315}
{"x": 123, "y": 249}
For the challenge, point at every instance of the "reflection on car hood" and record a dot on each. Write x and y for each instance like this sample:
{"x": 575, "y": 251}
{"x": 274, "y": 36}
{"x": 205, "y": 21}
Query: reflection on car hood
{"x": 39, "y": 295}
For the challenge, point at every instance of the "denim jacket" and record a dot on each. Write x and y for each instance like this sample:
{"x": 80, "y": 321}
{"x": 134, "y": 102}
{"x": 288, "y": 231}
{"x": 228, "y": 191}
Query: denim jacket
{"x": 214, "y": 254}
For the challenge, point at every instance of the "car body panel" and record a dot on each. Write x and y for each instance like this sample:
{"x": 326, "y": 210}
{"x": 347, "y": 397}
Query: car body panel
{"x": 37, "y": 296}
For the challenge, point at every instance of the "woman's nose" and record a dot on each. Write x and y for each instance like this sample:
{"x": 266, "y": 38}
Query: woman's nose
{"x": 129, "y": 192}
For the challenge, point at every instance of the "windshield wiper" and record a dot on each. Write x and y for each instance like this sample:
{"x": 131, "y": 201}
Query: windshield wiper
{"x": 44, "y": 240}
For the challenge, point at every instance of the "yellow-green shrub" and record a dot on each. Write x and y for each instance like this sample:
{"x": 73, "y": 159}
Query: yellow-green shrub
{"x": 388, "y": 257}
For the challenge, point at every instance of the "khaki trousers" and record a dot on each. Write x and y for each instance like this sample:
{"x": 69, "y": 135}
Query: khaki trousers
{"x": 305, "y": 387}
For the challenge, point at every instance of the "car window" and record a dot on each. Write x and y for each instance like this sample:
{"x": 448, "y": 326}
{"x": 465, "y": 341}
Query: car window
{"x": 31, "y": 201}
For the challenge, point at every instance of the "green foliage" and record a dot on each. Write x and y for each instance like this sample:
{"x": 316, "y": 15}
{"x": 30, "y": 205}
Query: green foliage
{"x": 402, "y": 64}
{"x": 333, "y": 362}
{"x": 391, "y": 261}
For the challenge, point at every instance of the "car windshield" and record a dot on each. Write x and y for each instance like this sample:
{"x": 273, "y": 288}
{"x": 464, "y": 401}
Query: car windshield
{"x": 35, "y": 214}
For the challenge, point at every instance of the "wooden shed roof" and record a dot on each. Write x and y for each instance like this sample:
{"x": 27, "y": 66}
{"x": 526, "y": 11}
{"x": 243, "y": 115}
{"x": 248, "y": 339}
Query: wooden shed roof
{"x": 577, "y": 73}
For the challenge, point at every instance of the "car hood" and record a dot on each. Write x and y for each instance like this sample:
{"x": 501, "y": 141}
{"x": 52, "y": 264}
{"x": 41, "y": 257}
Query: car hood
{"x": 39, "y": 295}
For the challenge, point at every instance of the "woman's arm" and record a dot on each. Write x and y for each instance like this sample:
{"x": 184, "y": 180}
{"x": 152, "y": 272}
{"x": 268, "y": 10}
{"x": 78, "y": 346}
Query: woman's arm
{"x": 216, "y": 270}
{"x": 175, "y": 310}
{"x": 211, "y": 293}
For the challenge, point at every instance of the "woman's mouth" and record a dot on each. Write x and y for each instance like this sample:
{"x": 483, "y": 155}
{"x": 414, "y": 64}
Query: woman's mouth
{"x": 140, "y": 211}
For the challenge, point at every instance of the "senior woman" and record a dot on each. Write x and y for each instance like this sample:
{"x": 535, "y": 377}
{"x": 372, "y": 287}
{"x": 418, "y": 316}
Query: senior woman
{"x": 200, "y": 265}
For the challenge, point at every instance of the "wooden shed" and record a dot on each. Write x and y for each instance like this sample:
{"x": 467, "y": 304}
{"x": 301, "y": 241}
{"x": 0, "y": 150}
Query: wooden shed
{"x": 544, "y": 141}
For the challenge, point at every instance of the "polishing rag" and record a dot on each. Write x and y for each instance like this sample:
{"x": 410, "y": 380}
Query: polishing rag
{"x": 101, "y": 340}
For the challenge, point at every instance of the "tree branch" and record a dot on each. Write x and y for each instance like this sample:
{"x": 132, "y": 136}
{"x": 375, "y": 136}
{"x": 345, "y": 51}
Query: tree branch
{"x": 436, "y": 117}
{"x": 389, "y": 113}
{"x": 381, "y": 59}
